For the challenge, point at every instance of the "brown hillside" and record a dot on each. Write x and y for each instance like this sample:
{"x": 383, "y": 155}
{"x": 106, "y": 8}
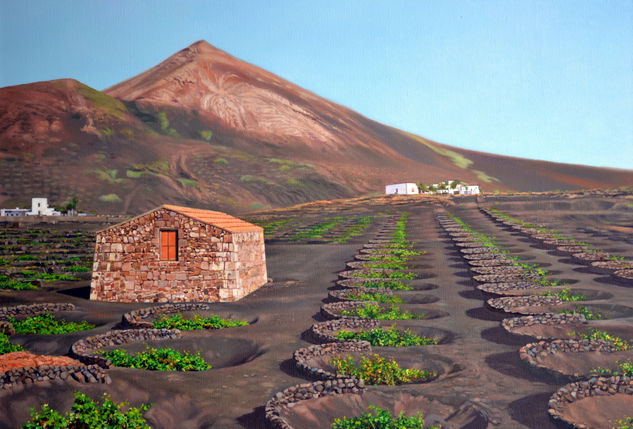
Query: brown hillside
{"x": 206, "y": 129}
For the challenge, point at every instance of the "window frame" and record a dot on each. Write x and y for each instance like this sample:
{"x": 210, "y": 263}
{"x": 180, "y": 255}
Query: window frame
{"x": 168, "y": 246}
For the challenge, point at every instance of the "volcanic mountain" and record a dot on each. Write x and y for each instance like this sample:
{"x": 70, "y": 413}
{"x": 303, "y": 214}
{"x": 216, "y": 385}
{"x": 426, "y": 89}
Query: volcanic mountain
{"x": 204, "y": 128}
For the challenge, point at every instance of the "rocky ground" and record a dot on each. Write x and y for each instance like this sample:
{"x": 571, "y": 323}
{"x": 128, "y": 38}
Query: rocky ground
{"x": 483, "y": 380}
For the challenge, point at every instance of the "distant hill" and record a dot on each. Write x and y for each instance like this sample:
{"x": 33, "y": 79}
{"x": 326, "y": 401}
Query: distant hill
{"x": 206, "y": 129}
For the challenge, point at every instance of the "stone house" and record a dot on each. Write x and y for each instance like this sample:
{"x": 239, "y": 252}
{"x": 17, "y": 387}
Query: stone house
{"x": 176, "y": 254}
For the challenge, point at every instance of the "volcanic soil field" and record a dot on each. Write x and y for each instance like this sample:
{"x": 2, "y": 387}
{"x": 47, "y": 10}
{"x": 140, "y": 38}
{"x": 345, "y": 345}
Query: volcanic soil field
{"x": 507, "y": 289}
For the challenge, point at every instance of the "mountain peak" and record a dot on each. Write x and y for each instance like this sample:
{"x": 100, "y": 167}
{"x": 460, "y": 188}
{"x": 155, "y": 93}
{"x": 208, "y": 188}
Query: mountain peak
{"x": 223, "y": 88}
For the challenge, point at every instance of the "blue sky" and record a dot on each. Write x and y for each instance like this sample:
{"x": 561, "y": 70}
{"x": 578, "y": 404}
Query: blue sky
{"x": 538, "y": 79}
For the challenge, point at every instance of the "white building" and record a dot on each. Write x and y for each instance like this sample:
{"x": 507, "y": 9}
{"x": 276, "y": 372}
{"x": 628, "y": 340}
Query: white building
{"x": 402, "y": 189}
{"x": 14, "y": 212}
{"x": 39, "y": 207}
{"x": 459, "y": 189}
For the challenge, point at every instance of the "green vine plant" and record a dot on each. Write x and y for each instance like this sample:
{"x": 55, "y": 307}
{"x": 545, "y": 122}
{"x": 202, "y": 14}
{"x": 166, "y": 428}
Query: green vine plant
{"x": 86, "y": 413}
{"x": 197, "y": 322}
{"x": 626, "y": 370}
{"x": 161, "y": 359}
{"x": 375, "y": 369}
{"x": 598, "y": 334}
{"x": 6, "y": 346}
{"x": 387, "y": 284}
{"x": 381, "y": 419}
{"x": 581, "y": 309}
{"x": 46, "y": 324}
{"x": 391, "y": 337}
{"x": 566, "y": 295}
{"x": 376, "y": 312}
{"x": 378, "y": 297}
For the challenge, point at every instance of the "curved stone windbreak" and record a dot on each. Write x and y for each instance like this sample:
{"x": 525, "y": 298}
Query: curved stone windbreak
{"x": 607, "y": 267}
{"x": 84, "y": 349}
{"x": 484, "y": 256}
{"x": 512, "y": 324}
{"x": 34, "y": 309}
{"x": 357, "y": 282}
{"x": 572, "y": 248}
{"x": 290, "y": 396}
{"x": 333, "y": 310}
{"x": 505, "y": 278}
{"x": 324, "y": 332}
{"x": 302, "y": 357}
{"x": 533, "y": 353}
{"x": 596, "y": 387}
{"x": 134, "y": 319}
{"x": 495, "y": 262}
{"x": 503, "y": 269}
{"x": 30, "y": 375}
{"x": 587, "y": 258}
{"x": 510, "y": 288}
{"x": 625, "y": 276}
{"x": 478, "y": 250}
{"x": 367, "y": 274}
{"x": 517, "y": 304}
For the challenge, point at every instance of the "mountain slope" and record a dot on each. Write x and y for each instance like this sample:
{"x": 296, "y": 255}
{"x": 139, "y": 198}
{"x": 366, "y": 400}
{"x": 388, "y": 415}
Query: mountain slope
{"x": 204, "y": 128}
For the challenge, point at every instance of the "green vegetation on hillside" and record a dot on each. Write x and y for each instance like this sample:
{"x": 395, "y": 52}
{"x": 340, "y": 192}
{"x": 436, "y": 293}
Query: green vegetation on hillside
{"x": 101, "y": 101}
{"x": 110, "y": 198}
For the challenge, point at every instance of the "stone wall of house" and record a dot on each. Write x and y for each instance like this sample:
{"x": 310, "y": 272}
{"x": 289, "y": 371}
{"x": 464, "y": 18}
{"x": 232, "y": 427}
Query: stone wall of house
{"x": 128, "y": 267}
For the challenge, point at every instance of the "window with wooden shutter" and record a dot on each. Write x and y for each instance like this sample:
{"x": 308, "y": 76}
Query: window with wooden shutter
{"x": 168, "y": 245}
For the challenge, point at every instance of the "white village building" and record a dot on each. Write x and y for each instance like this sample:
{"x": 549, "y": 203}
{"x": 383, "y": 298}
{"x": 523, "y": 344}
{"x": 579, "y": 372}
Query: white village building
{"x": 402, "y": 189}
{"x": 459, "y": 188}
{"x": 39, "y": 207}
{"x": 14, "y": 212}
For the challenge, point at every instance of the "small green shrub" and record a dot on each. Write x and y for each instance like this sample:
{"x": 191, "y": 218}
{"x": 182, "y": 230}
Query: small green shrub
{"x": 206, "y": 134}
{"x": 406, "y": 275}
{"x": 196, "y": 323}
{"x": 6, "y": 346}
{"x": 319, "y": 229}
{"x": 598, "y": 334}
{"x": 86, "y": 413}
{"x": 7, "y": 283}
{"x": 375, "y": 369}
{"x": 221, "y": 161}
{"x": 376, "y": 312}
{"x": 387, "y": 337}
{"x": 624, "y": 423}
{"x": 45, "y": 324}
{"x": 378, "y": 297}
{"x": 388, "y": 284}
{"x": 382, "y": 419}
{"x": 626, "y": 370}
{"x": 565, "y": 295}
{"x": 78, "y": 269}
{"x": 355, "y": 230}
{"x": 161, "y": 359}
{"x": 26, "y": 258}
{"x": 47, "y": 277}
{"x": 388, "y": 265}
{"x": 589, "y": 315}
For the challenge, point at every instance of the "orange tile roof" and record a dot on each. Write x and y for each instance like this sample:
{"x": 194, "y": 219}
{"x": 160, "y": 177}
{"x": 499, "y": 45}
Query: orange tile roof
{"x": 219, "y": 219}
